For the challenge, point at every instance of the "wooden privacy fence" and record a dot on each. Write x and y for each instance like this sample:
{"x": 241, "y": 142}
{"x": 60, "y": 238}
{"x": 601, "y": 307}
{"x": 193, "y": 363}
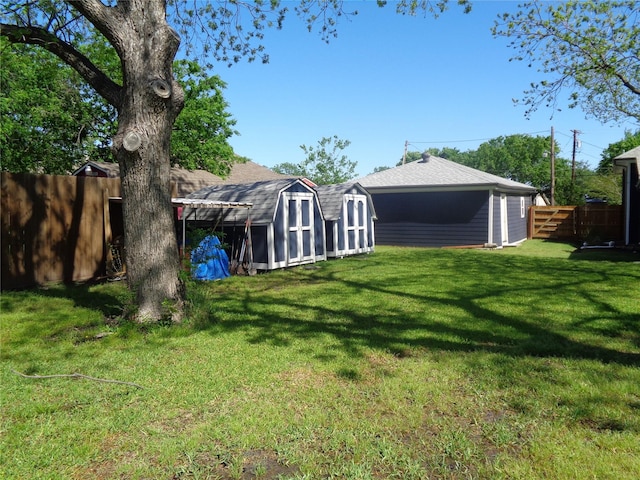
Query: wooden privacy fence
{"x": 593, "y": 223}
{"x": 54, "y": 228}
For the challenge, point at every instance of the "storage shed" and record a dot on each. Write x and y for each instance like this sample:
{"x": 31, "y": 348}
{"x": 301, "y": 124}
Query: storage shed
{"x": 286, "y": 224}
{"x": 435, "y": 202}
{"x": 348, "y": 219}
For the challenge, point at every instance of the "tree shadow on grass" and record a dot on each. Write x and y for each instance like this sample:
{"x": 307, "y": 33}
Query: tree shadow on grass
{"x": 478, "y": 320}
{"x": 58, "y": 313}
{"x": 526, "y": 347}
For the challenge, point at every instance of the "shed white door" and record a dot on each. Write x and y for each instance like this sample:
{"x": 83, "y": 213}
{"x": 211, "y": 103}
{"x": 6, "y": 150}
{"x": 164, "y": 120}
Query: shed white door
{"x": 356, "y": 225}
{"x": 300, "y": 224}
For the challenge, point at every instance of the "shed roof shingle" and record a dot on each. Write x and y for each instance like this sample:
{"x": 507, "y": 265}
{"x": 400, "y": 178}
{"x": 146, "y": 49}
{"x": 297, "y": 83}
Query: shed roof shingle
{"x": 331, "y": 198}
{"x": 263, "y": 195}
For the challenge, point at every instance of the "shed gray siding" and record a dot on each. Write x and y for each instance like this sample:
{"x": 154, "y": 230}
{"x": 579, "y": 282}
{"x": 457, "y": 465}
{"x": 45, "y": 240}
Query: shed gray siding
{"x": 496, "y": 226}
{"x": 259, "y": 244}
{"x": 319, "y": 231}
{"x": 634, "y": 206}
{"x": 432, "y": 219}
{"x": 280, "y": 230}
{"x": 517, "y": 210}
{"x": 628, "y": 163}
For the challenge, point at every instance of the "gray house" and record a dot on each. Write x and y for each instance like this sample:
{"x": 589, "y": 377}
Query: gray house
{"x": 287, "y": 224}
{"x": 628, "y": 164}
{"x": 435, "y": 202}
{"x": 348, "y": 218}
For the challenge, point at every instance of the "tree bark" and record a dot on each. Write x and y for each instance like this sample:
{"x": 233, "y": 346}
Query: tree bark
{"x": 148, "y": 103}
{"x": 147, "y": 47}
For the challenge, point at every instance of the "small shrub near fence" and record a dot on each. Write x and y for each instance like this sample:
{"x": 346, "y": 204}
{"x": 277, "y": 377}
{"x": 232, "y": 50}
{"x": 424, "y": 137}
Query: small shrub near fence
{"x": 592, "y": 223}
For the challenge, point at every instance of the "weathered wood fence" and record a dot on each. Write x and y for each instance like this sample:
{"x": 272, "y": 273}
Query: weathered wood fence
{"x": 54, "y": 228}
{"x": 593, "y": 223}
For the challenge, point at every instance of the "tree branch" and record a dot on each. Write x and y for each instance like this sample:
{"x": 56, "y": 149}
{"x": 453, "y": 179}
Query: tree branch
{"x": 107, "y": 88}
{"x": 77, "y": 375}
{"x": 106, "y": 19}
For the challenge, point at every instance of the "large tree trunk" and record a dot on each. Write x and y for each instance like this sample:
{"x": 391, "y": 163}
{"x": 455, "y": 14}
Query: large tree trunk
{"x": 151, "y": 102}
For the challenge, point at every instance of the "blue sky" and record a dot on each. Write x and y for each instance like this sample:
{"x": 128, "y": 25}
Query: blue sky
{"x": 387, "y": 79}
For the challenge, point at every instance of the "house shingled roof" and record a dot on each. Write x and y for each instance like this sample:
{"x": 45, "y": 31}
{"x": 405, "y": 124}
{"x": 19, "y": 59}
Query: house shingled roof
{"x": 436, "y": 172}
{"x": 634, "y": 153}
{"x": 250, "y": 172}
{"x": 188, "y": 181}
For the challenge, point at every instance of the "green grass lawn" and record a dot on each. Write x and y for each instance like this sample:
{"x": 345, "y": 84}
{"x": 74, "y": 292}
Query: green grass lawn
{"x": 408, "y": 363}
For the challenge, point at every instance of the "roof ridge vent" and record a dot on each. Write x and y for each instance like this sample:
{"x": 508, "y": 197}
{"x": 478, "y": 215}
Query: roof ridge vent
{"x": 426, "y": 156}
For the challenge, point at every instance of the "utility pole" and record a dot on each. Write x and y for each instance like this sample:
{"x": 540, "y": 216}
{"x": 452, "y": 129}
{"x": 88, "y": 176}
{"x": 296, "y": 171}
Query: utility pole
{"x": 573, "y": 156}
{"x": 404, "y": 157}
{"x": 553, "y": 168}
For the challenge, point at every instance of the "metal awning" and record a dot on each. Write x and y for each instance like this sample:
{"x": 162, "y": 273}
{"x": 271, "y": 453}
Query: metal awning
{"x": 206, "y": 203}
{"x": 196, "y": 203}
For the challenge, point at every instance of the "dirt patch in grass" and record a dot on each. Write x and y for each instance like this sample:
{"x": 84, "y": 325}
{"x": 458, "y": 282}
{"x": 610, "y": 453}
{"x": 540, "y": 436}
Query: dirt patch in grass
{"x": 249, "y": 465}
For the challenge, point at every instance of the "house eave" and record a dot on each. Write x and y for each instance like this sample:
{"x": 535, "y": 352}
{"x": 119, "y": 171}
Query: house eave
{"x": 450, "y": 188}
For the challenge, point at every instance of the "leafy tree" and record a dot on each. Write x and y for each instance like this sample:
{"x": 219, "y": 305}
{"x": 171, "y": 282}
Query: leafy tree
{"x": 447, "y": 153}
{"x": 46, "y": 123}
{"x": 52, "y": 122}
{"x": 521, "y": 158}
{"x": 588, "y": 48}
{"x": 148, "y": 99}
{"x": 410, "y": 156}
{"x": 569, "y": 192}
{"x": 604, "y": 183}
{"x": 324, "y": 165}
{"x": 629, "y": 142}
{"x": 607, "y": 186}
{"x": 201, "y": 132}
{"x": 526, "y": 159}
{"x": 292, "y": 169}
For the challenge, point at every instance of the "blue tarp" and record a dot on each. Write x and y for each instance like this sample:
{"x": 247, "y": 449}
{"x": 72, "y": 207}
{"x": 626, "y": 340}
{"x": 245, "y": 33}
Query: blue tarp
{"x": 209, "y": 261}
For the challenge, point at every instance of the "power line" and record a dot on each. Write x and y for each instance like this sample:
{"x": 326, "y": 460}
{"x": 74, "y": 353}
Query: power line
{"x": 473, "y": 139}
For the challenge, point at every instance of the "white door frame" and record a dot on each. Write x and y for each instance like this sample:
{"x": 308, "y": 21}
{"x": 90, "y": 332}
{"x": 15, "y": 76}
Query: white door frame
{"x": 302, "y": 234}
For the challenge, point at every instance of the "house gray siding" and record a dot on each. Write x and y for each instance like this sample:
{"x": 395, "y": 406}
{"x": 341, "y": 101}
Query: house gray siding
{"x": 432, "y": 219}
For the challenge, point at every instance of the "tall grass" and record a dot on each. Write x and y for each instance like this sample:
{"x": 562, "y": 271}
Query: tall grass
{"x": 407, "y": 363}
